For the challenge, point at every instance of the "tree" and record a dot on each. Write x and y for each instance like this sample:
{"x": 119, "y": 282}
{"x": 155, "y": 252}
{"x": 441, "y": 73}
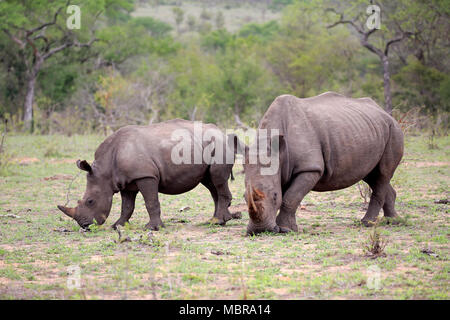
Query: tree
{"x": 220, "y": 20}
{"x": 307, "y": 58}
{"x": 244, "y": 87}
{"x": 392, "y": 32}
{"x": 179, "y": 17}
{"x": 191, "y": 22}
{"x": 39, "y": 31}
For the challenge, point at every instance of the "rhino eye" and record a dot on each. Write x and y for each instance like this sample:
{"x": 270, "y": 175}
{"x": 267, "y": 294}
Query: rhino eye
{"x": 90, "y": 202}
{"x": 275, "y": 197}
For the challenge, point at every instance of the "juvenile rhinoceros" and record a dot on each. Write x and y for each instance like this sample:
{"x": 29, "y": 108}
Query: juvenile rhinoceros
{"x": 147, "y": 159}
{"x": 325, "y": 143}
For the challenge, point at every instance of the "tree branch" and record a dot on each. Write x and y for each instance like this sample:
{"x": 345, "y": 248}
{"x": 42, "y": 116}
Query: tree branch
{"x": 365, "y": 35}
{"x": 15, "y": 39}
{"x": 398, "y": 39}
{"x": 44, "y": 25}
{"x": 56, "y": 49}
{"x": 343, "y": 21}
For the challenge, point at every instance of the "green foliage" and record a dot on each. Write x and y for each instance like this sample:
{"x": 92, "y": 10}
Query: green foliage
{"x": 265, "y": 32}
{"x": 217, "y": 75}
{"x": 220, "y": 20}
{"x": 179, "y": 16}
{"x": 278, "y": 4}
{"x": 58, "y": 81}
{"x": 422, "y": 85}
{"x": 219, "y": 39}
{"x": 5, "y": 157}
{"x": 305, "y": 60}
{"x": 205, "y": 15}
{"x": 191, "y": 22}
{"x": 156, "y": 28}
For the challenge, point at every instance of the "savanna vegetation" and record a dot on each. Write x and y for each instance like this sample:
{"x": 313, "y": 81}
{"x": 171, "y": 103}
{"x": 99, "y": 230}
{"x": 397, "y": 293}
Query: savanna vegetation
{"x": 215, "y": 61}
{"x": 138, "y": 62}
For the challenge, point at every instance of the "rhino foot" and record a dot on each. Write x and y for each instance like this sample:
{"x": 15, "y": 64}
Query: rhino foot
{"x": 289, "y": 228}
{"x": 215, "y": 220}
{"x": 118, "y": 223}
{"x": 368, "y": 223}
{"x": 276, "y": 229}
{"x": 279, "y": 229}
{"x": 154, "y": 226}
{"x": 236, "y": 215}
{"x": 286, "y": 222}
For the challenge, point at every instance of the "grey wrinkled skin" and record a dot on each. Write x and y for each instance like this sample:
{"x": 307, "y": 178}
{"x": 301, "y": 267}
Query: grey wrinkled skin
{"x": 138, "y": 159}
{"x": 327, "y": 142}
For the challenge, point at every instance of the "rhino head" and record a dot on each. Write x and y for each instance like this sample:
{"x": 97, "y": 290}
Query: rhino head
{"x": 263, "y": 191}
{"x": 97, "y": 199}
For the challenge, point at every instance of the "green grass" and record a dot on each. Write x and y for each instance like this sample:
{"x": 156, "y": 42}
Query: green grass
{"x": 192, "y": 260}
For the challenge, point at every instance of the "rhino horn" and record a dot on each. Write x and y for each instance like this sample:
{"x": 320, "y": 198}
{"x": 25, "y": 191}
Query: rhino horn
{"x": 251, "y": 201}
{"x": 67, "y": 211}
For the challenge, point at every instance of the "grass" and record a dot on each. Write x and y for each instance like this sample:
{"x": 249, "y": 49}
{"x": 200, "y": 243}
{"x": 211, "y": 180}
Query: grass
{"x": 192, "y": 260}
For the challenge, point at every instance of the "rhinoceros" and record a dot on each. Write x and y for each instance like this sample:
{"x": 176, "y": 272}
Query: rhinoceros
{"x": 142, "y": 159}
{"x": 325, "y": 143}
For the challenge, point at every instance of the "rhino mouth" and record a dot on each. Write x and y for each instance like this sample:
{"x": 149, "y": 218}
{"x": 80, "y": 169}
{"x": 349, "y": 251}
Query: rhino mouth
{"x": 83, "y": 222}
{"x": 85, "y": 226}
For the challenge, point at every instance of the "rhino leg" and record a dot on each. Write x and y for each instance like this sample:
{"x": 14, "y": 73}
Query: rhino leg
{"x": 221, "y": 213}
{"x": 223, "y": 202}
{"x": 208, "y": 184}
{"x": 293, "y": 196}
{"x": 380, "y": 188}
{"x": 128, "y": 202}
{"x": 217, "y": 183}
{"x": 383, "y": 195}
{"x": 149, "y": 189}
{"x": 389, "y": 203}
{"x": 375, "y": 204}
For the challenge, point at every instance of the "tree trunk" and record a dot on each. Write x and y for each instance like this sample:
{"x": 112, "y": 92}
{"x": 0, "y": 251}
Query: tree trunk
{"x": 193, "y": 114}
{"x": 239, "y": 123}
{"x": 29, "y": 96}
{"x": 155, "y": 117}
{"x": 387, "y": 85}
{"x": 28, "y": 104}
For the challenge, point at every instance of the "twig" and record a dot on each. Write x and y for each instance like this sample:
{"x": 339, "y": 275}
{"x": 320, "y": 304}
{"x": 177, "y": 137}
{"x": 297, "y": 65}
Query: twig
{"x": 3, "y": 136}
{"x": 68, "y": 189}
{"x": 3, "y": 139}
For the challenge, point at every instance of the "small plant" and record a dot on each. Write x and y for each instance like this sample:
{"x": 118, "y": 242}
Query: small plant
{"x": 220, "y": 20}
{"x": 179, "y": 17}
{"x": 397, "y": 221}
{"x": 364, "y": 191}
{"x": 95, "y": 227}
{"x": 374, "y": 246}
{"x": 431, "y": 141}
{"x": 191, "y": 22}
{"x": 5, "y": 157}
{"x": 205, "y": 15}
{"x": 52, "y": 151}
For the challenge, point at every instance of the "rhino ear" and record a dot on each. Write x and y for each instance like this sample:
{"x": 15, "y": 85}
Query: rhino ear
{"x": 84, "y": 165}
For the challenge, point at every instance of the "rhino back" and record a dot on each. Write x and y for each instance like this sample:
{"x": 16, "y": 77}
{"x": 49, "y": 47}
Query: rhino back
{"x": 145, "y": 151}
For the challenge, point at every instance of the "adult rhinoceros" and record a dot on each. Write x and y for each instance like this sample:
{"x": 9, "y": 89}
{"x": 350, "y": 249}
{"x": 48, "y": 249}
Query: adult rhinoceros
{"x": 141, "y": 159}
{"x": 327, "y": 142}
